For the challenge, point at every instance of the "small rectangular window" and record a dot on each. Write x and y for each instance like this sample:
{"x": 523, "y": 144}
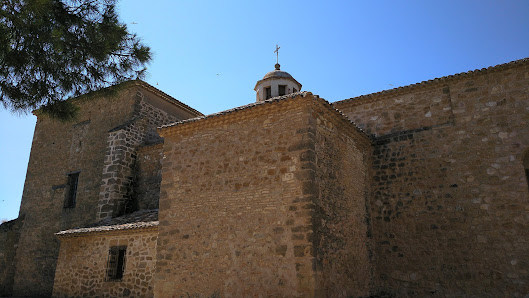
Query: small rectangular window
{"x": 71, "y": 195}
{"x": 268, "y": 92}
{"x": 116, "y": 263}
{"x": 295, "y": 90}
{"x": 282, "y": 89}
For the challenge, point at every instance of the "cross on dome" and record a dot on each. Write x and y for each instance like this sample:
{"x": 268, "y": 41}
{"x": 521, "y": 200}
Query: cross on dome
{"x": 277, "y": 53}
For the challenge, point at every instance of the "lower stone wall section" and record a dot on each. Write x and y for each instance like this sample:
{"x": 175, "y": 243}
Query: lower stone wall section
{"x": 9, "y": 235}
{"x": 82, "y": 265}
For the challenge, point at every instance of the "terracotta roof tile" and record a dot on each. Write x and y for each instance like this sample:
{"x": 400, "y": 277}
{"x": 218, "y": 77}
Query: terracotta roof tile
{"x": 431, "y": 82}
{"x": 167, "y": 96}
{"x": 251, "y": 105}
{"x": 270, "y": 101}
{"x": 137, "y": 220}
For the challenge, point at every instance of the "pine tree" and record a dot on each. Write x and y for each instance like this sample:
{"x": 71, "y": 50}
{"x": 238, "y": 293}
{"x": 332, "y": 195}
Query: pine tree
{"x": 51, "y": 50}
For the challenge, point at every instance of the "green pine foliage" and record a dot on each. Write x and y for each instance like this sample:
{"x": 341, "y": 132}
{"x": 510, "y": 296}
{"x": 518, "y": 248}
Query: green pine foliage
{"x": 51, "y": 50}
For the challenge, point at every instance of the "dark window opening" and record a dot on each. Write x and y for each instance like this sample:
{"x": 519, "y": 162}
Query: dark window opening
{"x": 71, "y": 194}
{"x": 282, "y": 90}
{"x": 116, "y": 263}
{"x": 295, "y": 90}
{"x": 268, "y": 92}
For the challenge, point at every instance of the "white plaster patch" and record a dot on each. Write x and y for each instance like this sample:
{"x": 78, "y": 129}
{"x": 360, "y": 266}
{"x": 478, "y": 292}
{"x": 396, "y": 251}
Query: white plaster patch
{"x": 288, "y": 176}
{"x": 503, "y": 135}
{"x": 428, "y": 115}
{"x": 497, "y": 89}
{"x": 494, "y": 130}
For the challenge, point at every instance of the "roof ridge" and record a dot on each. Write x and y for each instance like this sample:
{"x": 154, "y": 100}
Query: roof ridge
{"x": 338, "y": 113}
{"x": 166, "y": 96}
{"x": 136, "y": 82}
{"x": 244, "y": 107}
{"x": 427, "y": 83}
{"x": 345, "y": 118}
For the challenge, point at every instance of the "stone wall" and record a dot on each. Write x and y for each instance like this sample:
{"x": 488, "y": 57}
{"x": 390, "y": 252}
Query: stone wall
{"x": 449, "y": 196}
{"x": 60, "y": 148}
{"x": 148, "y": 176}
{"x": 233, "y": 212}
{"x": 265, "y": 200}
{"x": 340, "y": 218}
{"x": 101, "y": 145}
{"x": 116, "y": 196}
{"x": 382, "y": 115}
{"x": 9, "y": 235}
{"x": 82, "y": 266}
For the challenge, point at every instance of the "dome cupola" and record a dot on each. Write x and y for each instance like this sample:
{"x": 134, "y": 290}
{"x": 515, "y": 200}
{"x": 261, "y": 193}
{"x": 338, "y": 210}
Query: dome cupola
{"x": 276, "y": 83}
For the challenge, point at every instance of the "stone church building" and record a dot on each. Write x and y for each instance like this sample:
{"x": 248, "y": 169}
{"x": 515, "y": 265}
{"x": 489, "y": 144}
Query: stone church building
{"x": 420, "y": 191}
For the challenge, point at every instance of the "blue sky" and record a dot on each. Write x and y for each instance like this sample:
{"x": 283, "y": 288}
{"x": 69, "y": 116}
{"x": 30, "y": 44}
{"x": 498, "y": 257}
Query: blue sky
{"x": 209, "y": 54}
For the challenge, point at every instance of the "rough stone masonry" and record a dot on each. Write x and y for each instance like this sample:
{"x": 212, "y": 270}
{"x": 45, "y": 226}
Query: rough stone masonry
{"x": 421, "y": 190}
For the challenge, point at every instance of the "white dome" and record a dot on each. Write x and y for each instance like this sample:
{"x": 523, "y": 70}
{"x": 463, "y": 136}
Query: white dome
{"x": 276, "y": 83}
